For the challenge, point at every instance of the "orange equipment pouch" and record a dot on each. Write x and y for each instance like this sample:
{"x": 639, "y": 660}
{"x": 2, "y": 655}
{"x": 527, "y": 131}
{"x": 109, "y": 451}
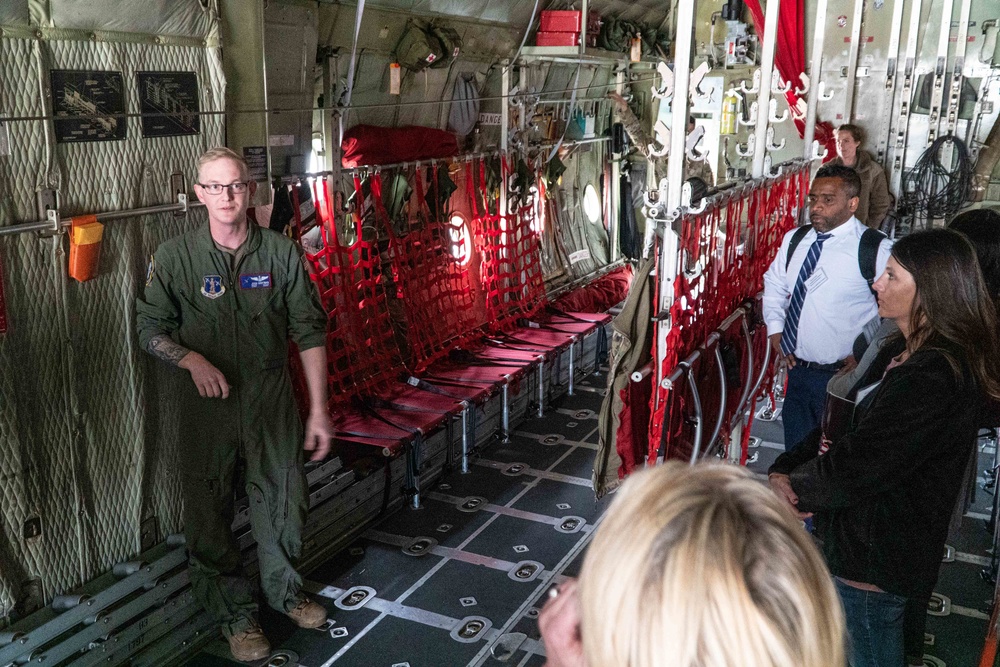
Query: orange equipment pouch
{"x": 85, "y": 247}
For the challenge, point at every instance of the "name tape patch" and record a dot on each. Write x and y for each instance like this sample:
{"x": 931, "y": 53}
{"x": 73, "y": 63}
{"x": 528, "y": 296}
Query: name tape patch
{"x": 255, "y": 280}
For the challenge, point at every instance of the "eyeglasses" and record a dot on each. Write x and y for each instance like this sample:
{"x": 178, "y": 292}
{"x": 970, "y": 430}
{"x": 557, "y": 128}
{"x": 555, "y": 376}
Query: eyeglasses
{"x": 216, "y": 188}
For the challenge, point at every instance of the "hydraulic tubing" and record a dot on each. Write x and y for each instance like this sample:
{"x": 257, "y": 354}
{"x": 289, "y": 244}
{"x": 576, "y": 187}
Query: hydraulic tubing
{"x": 723, "y": 389}
{"x": 698, "y": 417}
{"x": 746, "y": 387}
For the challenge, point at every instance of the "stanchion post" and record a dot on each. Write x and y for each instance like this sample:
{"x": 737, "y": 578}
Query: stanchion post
{"x": 815, "y": 72}
{"x": 769, "y": 45}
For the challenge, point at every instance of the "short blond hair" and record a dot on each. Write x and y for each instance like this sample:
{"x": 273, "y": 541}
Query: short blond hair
{"x": 223, "y": 153}
{"x": 703, "y": 567}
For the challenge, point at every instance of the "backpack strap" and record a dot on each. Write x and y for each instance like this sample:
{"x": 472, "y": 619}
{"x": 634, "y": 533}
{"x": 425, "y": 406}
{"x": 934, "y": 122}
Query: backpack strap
{"x": 871, "y": 239}
{"x": 796, "y": 239}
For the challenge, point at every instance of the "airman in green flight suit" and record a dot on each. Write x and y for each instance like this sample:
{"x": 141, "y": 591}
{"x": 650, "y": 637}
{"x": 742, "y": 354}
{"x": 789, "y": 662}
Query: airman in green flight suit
{"x": 221, "y": 302}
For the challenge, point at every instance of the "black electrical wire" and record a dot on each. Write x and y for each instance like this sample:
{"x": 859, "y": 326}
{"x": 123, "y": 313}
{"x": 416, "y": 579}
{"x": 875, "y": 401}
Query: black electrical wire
{"x": 934, "y": 190}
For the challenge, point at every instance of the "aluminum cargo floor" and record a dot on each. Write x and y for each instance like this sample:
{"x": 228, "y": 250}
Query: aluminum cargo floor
{"x": 477, "y": 532}
{"x": 483, "y": 550}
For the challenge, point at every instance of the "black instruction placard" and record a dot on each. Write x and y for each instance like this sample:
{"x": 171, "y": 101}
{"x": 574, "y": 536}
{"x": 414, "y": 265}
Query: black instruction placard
{"x": 88, "y": 106}
{"x": 169, "y": 103}
{"x": 256, "y": 159}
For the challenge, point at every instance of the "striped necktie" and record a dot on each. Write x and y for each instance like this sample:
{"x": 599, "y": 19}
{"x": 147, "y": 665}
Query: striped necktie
{"x": 789, "y": 337}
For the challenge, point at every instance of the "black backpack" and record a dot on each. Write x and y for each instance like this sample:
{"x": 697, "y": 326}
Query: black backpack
{"x": 871, "y": 239}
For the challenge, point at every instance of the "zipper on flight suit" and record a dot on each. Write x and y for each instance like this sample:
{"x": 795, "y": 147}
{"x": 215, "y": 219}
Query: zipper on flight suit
{"x": 230, "y": 271}
{"x": 267, "y": 304}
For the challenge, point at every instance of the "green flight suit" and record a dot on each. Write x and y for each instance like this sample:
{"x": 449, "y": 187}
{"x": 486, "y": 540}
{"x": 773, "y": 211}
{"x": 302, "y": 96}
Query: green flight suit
{"x": 240, "y": 318}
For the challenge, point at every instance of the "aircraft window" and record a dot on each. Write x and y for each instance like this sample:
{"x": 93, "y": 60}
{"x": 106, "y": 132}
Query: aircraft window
{"x": 459, "y": 238}
{"x": 591, "y": 204}
{"x": 316, "y": 155}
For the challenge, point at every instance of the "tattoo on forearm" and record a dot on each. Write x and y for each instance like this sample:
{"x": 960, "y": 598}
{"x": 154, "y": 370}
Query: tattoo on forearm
{"x": 167, "y": 350}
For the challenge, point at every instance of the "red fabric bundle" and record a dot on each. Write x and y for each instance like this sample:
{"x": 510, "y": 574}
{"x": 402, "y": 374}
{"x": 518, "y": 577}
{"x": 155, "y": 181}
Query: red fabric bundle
{"x": 599, "y": 295}
{"x": 369, "y": 144}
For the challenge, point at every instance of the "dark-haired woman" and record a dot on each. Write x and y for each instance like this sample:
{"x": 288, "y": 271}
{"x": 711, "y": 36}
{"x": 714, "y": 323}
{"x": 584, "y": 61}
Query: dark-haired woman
{"x": 883, "y": 493}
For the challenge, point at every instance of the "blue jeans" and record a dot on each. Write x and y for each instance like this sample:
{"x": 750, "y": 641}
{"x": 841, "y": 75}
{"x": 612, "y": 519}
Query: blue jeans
{"x": 874, "y": 626}
{"x": 804, "y": 400}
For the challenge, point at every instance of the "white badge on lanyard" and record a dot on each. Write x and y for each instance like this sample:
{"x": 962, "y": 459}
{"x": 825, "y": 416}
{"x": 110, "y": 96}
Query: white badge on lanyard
{"x": 816, "y": 280}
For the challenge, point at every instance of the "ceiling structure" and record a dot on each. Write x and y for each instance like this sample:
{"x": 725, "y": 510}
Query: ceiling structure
{"x": 518, "y": 12}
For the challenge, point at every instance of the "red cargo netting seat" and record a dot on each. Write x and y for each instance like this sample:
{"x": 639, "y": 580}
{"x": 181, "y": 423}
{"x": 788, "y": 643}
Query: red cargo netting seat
{"x": 512, "y": 275}
{"x": 437, "y": 276}
{"x": 424, "y": 304}
{"x": 724, "y": 253}
{"x": 369, "y": 406}
{"x": 432, "y": 268}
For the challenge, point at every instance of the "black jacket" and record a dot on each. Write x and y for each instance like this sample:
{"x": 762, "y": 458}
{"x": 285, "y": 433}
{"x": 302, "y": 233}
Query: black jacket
{"x": 884, "y": 493}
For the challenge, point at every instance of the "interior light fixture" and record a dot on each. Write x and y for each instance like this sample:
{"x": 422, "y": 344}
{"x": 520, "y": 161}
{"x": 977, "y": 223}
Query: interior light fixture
{"x": 591, "y": 204}
{"x": 459, "y": 238}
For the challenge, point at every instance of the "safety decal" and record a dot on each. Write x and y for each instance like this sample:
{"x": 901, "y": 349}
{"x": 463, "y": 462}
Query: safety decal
{"x": 255, "y": 280}
{"x": 149, "y": 271}
{"x": 212, "y": 287}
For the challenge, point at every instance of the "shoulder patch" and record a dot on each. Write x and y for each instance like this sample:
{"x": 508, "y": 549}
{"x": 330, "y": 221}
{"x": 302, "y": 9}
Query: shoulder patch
{"x": 150, "y": 270}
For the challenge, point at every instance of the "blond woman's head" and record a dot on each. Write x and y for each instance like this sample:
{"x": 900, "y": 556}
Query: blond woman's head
{"x": 702, "y": 567}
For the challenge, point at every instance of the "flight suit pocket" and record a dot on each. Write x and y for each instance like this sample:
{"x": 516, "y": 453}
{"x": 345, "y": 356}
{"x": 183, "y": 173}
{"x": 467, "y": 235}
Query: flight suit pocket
{"x": 267, "y": 322}
{"x": 275, "y": 364}
{"x": 265, "y": 302}
{"x": 261, "y": 515}
{"x": 200, "y": 321}
{"x": 271, "y": 509}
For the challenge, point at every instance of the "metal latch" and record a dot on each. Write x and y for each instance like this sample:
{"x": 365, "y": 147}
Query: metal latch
{"x": 178, "y": 186}
{"x": 48, "y": 206}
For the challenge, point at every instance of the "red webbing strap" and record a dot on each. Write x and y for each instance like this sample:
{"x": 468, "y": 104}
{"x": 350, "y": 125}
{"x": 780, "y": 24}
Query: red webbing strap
{"x": 470, "y": 188}
{"x": 434, "y": 285}
{"x": 786, "y": 202}
{"x": 512, "y": 270}
{"x": 715, "y": 276}
{"x": 362, "y": 355}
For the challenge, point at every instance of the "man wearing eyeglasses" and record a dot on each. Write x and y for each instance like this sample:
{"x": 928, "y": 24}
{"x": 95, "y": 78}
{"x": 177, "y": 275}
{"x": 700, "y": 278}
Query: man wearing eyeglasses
{"x": 221, "y": 303}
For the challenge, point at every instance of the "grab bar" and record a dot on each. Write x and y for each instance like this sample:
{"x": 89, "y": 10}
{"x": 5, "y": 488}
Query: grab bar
{"x": 55, "y": 223}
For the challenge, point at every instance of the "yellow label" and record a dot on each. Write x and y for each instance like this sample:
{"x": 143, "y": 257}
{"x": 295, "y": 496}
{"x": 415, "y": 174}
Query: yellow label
{"x": 92, "y": 232}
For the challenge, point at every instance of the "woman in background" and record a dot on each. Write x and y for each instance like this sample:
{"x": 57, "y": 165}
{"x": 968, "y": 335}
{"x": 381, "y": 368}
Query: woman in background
{"x": 874, "y": 201}
{"x": 883, "y": 494}
{"x": 982, "y": 228}
{"x": 696, "y": 567}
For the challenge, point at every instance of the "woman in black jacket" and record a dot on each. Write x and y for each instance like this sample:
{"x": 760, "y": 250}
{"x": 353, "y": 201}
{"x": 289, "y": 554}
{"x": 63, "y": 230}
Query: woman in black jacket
{"x": 883, "y": 493}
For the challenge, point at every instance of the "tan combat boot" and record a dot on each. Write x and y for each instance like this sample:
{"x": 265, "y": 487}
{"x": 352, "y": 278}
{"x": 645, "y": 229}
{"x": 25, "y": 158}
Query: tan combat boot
{"x": 250, "y": 645}
{"x": 307, "y": 614}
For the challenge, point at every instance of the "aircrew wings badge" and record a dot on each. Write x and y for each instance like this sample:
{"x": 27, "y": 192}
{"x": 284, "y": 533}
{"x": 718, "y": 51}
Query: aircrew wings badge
{"x": 212, "y": 287}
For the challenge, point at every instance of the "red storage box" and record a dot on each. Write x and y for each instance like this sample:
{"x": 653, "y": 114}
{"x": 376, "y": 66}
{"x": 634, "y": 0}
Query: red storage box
{"x": 559, "y": 21}
{"x": 557, "y": 39}
{"x": 567, "y": 21}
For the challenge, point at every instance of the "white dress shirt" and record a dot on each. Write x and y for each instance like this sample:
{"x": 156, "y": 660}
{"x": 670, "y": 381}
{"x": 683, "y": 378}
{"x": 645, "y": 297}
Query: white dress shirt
{"x": 838, "y": 303}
